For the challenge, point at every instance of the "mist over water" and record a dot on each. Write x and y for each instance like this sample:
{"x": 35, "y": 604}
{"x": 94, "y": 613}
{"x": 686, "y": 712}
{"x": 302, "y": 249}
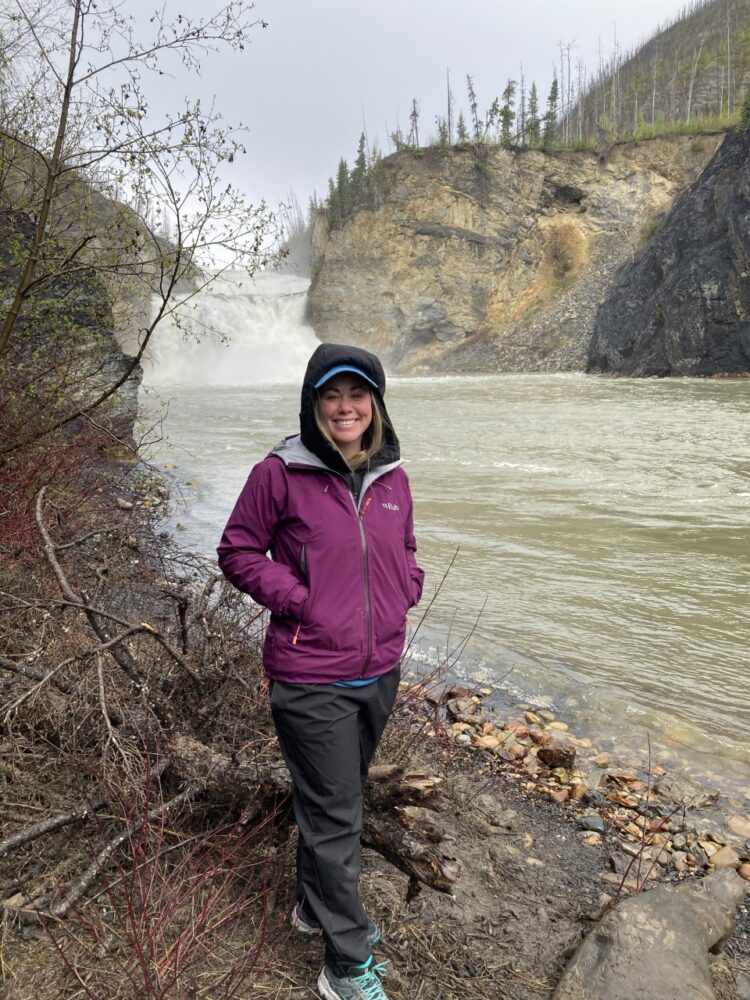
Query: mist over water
{"x": 239, "y": 331}
{"x": 601, "y": 526}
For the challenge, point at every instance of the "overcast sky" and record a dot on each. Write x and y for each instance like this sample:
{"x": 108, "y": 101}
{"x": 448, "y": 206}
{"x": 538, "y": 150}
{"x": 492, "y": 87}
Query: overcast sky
{"x": 320, "y": 71}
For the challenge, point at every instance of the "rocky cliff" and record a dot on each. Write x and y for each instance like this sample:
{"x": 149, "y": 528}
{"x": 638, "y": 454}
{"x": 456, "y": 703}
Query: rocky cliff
{"x": 683, "y": 306}
{"x": 497, "y": 263}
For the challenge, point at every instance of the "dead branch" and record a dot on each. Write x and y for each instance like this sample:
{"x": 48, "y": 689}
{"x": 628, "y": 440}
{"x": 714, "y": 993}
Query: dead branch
{"x": 121, "y": 655}
{"x": 29, "y": 672}
{"x": 104, "y": 858}
{"x": 36, "y": 830}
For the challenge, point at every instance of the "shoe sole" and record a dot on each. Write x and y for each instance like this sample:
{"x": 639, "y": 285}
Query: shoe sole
{"x": 325, "y": 989}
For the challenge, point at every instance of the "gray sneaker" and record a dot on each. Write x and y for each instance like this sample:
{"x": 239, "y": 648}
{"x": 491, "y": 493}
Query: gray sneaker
{"x": 361, "y": 982}
{"x": 304, "y": 922}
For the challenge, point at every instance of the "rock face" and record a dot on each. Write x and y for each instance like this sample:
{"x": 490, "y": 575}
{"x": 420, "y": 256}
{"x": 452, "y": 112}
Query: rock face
{"x": 656, "y": 944}
{"x": 497, "y": 263}
{"x": 683, "y": 307}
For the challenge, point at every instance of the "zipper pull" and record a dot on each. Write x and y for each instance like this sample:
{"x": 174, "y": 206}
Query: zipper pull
{"x": 296, "y": 634}
{"x": 367, "y": 504}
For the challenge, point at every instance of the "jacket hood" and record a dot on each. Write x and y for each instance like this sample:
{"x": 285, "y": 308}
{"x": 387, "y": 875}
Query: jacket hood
{"x": 325, "y": 357}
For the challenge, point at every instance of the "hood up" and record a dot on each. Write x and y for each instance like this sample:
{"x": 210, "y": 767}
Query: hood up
{"x": 328, "y": 356}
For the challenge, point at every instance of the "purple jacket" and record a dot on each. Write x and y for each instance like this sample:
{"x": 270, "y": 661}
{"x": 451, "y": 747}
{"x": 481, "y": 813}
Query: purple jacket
{"x": 340, "y": 579}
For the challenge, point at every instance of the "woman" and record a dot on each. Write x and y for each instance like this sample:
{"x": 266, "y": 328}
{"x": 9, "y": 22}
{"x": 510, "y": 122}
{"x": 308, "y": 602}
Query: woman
{"x": 332, "y": 507}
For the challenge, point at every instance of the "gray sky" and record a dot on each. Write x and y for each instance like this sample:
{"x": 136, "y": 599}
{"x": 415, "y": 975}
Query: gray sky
{"x": 319, "y": 71}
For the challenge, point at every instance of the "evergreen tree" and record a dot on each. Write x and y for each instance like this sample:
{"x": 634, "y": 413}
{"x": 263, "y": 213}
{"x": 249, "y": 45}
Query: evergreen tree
{"x": 533, "y": 129}
{"x": 462, "y": 133}
{"x": 359, "y": 174}
{"x": 414, "y": 122}
{"x": 443, "y": 136}
{"x": 333, "y": 206}
{"x": 344, "y": 189}
{"x": 550, "y": 117}
{"x": 507, "y": 114}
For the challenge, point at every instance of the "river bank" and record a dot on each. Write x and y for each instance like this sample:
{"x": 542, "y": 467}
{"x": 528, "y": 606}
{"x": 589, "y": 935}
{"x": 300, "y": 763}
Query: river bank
{"x": 544, "y": 847}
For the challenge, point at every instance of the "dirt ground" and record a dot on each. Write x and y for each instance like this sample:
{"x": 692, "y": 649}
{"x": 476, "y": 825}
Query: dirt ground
{"x": 206, "y": 896}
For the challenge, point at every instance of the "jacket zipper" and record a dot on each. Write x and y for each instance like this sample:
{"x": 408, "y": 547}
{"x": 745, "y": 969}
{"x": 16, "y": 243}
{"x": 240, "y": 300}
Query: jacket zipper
{"x": 366, "y": 576}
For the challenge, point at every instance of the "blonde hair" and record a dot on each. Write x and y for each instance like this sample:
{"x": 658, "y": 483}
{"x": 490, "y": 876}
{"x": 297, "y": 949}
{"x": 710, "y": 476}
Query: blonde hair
{"x": 372, "y": 439}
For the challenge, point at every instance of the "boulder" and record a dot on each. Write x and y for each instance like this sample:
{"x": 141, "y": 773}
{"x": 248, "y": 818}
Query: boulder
{"x": 656, "y": 944}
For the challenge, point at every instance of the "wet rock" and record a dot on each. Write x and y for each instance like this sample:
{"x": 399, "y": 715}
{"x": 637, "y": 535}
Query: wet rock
{"x": 538, "y": 736}
{"x": 557, "y": 754}
{"x": 600, "y": 760}
{"x": 461, "y": 706}
{"x": 656, "y": 944}
{"x": 533, "y": 719}
{"x": 546, "y": 715}
{"x": 683, "y": 791}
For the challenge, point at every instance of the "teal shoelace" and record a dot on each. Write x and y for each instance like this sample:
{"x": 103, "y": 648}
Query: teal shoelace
{"x": 369, "y": 981}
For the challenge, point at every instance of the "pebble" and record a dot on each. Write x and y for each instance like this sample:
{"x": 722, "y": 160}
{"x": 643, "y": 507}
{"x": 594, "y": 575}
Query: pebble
{"x": 558, "y": 795}
{"x": 561, "y": 726}
{"x": 463, "y": 739}
{"x": 533, "y": 719}
{"x": 679, "y": 860}
{"x": 546, "y": 715}
{"x": 557, "y": 754}
{"x": 485, "y": 692}
{"x": 593, "y": 822}
{"x": 124, "y": 504}
{"x": 744, "y": 871}
{"x": 698, "y": 855}
{"x": 487, "y": 742}
{"x": 600, "y": 760}
{"x": 592, "y": 839}
{"x": 679, "y": 842}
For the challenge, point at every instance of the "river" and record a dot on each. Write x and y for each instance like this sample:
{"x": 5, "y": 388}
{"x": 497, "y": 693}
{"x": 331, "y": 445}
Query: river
{"x": 596, "y": 530}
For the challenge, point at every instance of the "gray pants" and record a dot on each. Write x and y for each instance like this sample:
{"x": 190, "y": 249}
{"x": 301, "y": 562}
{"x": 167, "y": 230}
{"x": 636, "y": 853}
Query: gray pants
{"x": 328, "y": 736}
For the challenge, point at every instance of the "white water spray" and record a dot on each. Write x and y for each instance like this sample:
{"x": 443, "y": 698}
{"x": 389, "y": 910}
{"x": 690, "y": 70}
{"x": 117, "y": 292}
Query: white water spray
{"x": 238, "y": 331}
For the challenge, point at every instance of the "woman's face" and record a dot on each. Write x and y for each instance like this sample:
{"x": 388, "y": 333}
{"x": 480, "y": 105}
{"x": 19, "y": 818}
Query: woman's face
{"x": 345, "y": 411}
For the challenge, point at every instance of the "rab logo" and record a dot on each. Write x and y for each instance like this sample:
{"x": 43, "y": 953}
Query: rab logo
{"x": 390, "y": 506}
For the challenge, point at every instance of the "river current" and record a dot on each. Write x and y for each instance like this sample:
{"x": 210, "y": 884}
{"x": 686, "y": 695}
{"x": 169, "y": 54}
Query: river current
{"x": 594, "y": 532}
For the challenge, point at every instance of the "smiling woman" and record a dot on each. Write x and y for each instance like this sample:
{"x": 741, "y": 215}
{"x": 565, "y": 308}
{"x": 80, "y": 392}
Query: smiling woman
{"x": 345, "y": 412}
{"x": 333, "y": 509}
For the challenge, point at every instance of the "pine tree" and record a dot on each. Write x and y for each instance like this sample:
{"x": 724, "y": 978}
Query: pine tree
{"x": 414, "y": 122}
{"x": 359, "y": 174}
{"x": 474, "y": 109}
{"x": 533, "y": 130}
{"x": 550, "y": 117}
{"x": 507, "y": 114}
{"x": 344, "y": 189}
{"x": 333, "y": 206}
{"x": 462, "y": 133}
{"x": 443, "y": 136}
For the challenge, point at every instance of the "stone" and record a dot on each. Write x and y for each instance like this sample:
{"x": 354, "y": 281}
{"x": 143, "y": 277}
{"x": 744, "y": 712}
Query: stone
{"x": 558, "y": 795}
{"x": 601, "y": 760}
{"x": 559, "y": 726}
{"x": 742, "y": 982}
{"x": 461, "y": 706}
{"x": 493, "y": 812}
{"x": 744, "y": 871}
{"x": 592, "y": 839}
{"x": 463, "y": 739}
{"x": 679, "y": 861}
{"x": 592, "y": 821}
{"x": 739, "y": 824}
{"x": 656, "y": 944}
{"x": 557, "y": 754}
{"x": 488, "y": 742}
{"x": 546, "y": 715}
{"x": 679, "y": 841}
{"x": 533, "y": 719}
{"x": 698, "y": 855}
{"x": 725, "y": 857}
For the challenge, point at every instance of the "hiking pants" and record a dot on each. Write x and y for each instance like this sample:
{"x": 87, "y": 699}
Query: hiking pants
{"x": 328, "y": 736}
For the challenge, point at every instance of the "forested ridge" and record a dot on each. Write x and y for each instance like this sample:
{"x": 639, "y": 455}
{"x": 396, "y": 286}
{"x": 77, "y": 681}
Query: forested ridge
{"x": 691, "y": 75}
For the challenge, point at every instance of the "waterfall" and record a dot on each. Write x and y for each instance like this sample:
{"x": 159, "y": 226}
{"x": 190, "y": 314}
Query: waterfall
{"x": 238, "y": 331}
